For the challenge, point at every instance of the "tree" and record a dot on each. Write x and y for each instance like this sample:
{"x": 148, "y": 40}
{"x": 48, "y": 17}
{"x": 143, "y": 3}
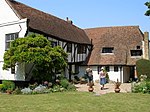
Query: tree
{"x": 148, "y": 11}
{"x": 36, "y": 49}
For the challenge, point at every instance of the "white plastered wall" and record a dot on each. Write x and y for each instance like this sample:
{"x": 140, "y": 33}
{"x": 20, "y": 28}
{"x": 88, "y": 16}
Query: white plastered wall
{"x": 10, "y": 23}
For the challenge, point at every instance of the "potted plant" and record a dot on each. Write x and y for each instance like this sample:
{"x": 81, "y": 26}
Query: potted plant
{"x": 90, "y": 88}
{"x": 117, "y": 85}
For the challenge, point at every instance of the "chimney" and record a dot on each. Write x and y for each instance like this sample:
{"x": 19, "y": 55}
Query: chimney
{"x": 69, "y": 21}
{"x": 146, "y": 46}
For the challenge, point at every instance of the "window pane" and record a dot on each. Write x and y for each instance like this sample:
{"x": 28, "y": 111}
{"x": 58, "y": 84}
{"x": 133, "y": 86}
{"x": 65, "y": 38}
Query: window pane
{"x": 115, "y": 68}
{"x": 8, "y": 38}
{"x": 69, "y": 47}
{"x": 107, "y": 68}
{"x": 136, "y": 52}
{"x": 107, "y": 50}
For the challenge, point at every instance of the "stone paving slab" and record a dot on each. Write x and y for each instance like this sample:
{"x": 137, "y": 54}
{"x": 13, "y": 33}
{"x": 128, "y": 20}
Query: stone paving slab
{"x": 109, "y": 87}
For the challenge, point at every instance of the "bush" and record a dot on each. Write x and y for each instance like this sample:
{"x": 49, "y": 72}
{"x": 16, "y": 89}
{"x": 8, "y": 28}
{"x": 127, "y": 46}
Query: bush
{"x": 26, "y": 91}
{"x": 17, "y": 91}
{"x": 64, "y": 83}
{"x": 8, "y": 85}
{"x": 143, "y": 67}
{"x": 1, "y": 87}
{"x": 141, "y": 87}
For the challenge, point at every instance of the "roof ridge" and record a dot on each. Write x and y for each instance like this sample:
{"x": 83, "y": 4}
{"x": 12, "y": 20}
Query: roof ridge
{"x": 112, "y": 27}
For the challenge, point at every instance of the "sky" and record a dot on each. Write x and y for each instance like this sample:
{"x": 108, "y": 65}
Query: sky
{"x": 96, "y": 13}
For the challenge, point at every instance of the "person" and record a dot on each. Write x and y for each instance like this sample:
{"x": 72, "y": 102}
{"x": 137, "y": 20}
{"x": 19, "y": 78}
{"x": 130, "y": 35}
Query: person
{"x": 102, "y": 76}
{"x": 89, "y": 74}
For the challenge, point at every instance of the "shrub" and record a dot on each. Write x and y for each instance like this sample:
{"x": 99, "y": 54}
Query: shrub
{"x": 143, "y": 67}
{"x": 64, "y": 83}
{"x": 39, "y": 89}
{"x": 26, "y": 91}
{"x": 141, "y": 87}
{"x": 58, "y": 88}
{"x": 1, "y": 87}
{"x": 8, "y": 85}
{"x": 17, "y": 91}
{"x": 71, "y": 87}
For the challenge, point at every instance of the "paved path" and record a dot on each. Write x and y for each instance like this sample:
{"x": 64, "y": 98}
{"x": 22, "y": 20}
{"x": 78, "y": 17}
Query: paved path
{"x": 125, "y": 87}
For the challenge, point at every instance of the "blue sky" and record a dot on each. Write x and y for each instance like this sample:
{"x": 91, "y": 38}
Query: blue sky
{"x": 96, "y": 13}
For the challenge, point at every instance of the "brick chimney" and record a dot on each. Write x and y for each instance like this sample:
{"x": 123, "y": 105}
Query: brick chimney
{"x": 69, "y": 21}
{"x": 146, "y": 46}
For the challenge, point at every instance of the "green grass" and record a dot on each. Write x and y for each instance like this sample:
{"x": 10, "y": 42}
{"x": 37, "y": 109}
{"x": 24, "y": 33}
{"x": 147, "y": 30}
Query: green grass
{"x": 75, "y": 102}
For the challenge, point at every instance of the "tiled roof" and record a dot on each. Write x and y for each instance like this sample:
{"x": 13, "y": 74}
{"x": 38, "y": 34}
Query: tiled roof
{"x": 121, "y": 38}
{"x": 49, "y": 24}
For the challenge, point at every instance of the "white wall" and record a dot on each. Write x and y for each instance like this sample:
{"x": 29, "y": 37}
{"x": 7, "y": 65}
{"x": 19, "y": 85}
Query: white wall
{"x": 10, "y": 23}
{"x": 113, "y": 76}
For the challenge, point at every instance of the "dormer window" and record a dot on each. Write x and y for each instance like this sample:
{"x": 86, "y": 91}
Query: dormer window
{"x": 107, "y": 50}
{"x": 136, "y": 52}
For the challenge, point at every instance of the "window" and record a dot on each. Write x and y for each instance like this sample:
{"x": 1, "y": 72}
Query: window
{"x": 107, "y": 50}
{"x": 53, "y": 43}
{"x": 69, "y": 48}
{"x": 138, "y": 47}
{"x": 107, "y": 68}
{"x": 115, "y": 68}
{"x": 13, "y": 69}
{"x": 81, "y": 49}
{"x": 136, "y": 52}
{"x": 9, "y": 38}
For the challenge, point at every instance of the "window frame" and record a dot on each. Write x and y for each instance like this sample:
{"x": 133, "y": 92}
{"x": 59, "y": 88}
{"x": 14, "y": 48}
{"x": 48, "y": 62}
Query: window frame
{"x": 116, "y": 68}
{"x": 69, "y": 48}
{"x": 81, "y": 49}
{"x": 9, "y": 38}
{"x": 107, "y": 50}
{"x": 136, "y": 52}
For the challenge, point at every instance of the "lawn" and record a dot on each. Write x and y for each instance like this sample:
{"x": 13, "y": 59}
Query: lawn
{"x": 75, "y": 102}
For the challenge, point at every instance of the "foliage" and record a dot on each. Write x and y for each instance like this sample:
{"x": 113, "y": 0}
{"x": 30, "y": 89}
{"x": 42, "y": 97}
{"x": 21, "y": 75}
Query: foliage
{"x": 143, "y": 67}
{"x": 64, "y": 83}
{"x": 141, "y": 87}
{"x": 148, "y": 11}
{"x": 1, "y": 87}
{"x": 8, "y": 85}
{"x": 39, "y": 89}
{"x": 26, "y": 91}
{"x": 36, "y": 49}
{"x": 17, "y": 91}
{"x": 117, "y": 84}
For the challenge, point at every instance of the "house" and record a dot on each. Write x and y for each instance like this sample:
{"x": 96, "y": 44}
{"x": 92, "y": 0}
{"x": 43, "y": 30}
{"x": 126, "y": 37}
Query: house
{"x": 117, "y": 49}
{"x": 18, "y": 20}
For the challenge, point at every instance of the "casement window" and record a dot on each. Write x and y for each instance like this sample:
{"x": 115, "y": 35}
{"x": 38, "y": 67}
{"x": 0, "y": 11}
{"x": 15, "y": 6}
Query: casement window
{"x": 136, "y": 52}
{"x": 81, "y": 49}
{"x": 54, "y": 43}
{"x": 69, "y": 48}
{"x": 9, "y": 38}
{"x": 115, "y": 68}
{"x": 107, "y": 50}
{"x": 107, "y": 68}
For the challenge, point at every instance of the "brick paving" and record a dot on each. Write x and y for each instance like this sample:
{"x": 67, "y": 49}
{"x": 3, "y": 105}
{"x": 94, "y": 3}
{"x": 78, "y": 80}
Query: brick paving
{"x": 109, "y": 87}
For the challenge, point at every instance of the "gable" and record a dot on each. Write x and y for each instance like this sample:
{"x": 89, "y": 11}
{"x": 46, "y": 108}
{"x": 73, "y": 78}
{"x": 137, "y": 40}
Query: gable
{"x": 7, "y": 14}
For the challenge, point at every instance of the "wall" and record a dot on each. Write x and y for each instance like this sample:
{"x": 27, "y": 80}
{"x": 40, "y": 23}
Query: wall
{"x": 10, "y": 23}
{"x": 113, "y": 76}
